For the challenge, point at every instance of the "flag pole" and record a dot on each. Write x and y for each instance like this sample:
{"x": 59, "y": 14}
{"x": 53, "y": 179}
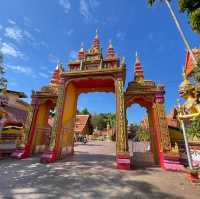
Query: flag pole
{"x": 180, "y": 31}
{"x": 186, "y": 145}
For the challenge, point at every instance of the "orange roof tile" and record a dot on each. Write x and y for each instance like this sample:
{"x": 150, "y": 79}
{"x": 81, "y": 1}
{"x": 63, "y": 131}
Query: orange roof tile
{"x": 81, "y": 122}
{"x": 189, "y": 65}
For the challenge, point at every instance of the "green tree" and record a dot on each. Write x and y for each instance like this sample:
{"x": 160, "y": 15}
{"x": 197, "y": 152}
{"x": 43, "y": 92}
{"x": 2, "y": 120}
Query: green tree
{"x": 194, "y": 129}
{"x": 192, "y": 8}
{"x": 110, "y": 119}
{"x": 142, "y": 135}
{"x": 3, "y": 81}
{"x": 98, "y": 121}
{"x": 84, "y": 112}
{"x": 132, "y": 130}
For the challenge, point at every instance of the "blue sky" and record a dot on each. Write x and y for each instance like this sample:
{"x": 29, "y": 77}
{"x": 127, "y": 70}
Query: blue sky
{"x": 36, "y": 34}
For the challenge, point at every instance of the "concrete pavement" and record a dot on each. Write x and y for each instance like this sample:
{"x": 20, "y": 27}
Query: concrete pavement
{"x": 89, "y": 174}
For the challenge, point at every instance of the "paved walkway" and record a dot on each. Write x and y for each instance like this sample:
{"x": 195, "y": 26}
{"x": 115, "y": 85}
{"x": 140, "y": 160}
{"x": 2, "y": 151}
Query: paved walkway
{"x": 89, "y": 174}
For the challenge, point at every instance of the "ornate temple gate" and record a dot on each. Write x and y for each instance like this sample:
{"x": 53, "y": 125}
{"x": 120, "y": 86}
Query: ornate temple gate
{"x": 151, "y": 96}
{"x": 91, "y": 72}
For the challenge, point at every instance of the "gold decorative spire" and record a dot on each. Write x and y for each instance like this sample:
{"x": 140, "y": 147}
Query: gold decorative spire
{"x": 123, "y": 60}
{"x": 82, "y": 47}
{"x": 110, "y": 44}
{"x": 186, "y": 84}
{"x": 95, "y": 44}
{"x": 97, "y": 34}
{"x": 57, "y": 66}
{"x": 138, "y": 73}
{"x": 137, "y": 59}
{"x": 110, "y": 50}
{"x": 81, "y": 53}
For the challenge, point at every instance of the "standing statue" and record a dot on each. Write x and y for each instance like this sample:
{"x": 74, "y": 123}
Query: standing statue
{"x": 191, "y": 108}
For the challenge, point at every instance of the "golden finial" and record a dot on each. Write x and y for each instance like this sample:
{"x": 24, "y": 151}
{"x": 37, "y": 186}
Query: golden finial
{"x": 57, "y": 66}
{"x": 185, "y": 83}
{"x": 97, "y": 34}
{"x": 123, "y": 60}
{"x": 110, "y": 44}
{"x": 183, "y": 74}
{"x": 136, "y": 57}
{"x": 82, "y": 47}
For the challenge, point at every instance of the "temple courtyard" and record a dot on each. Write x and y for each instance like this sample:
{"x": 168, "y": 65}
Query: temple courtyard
{"x": 90, "y": 173}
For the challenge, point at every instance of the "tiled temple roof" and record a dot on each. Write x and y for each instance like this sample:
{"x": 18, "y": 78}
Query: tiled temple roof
{"x": 81, "y": 123}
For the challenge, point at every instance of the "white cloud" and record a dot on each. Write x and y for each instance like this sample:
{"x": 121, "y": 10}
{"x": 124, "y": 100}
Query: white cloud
{"x": 150, "y": 36}
{"x": 28, "y": 35}
{"x": 120, "y": 35}
{"x": 27, "y": 21}
{"x": 43, "y": 75}
{"x": 17, "y": 34}
{"x": 14, "y": 33}
{"x": 8, "y": 49}
{"x": 66, "y": 5}
{"x": 72, "y": 54}
{"x": 44, "y": 67}
{"x": 85, "y": 9}
{"x": 10, "y": 21}
{"x": 53, "y": 59}
{"x": 69, "y": 32}
{"x": 94, "y": 4}
{"x": 20, "y": 69}
{"x": 37, "y": 30}
{"x": 88, "y": 9}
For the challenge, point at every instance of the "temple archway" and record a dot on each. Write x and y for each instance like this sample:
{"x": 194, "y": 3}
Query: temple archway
{"x": 90, "y": 72}
{"x": 140, "y": 137}
{"x": 93, "y": 72}
{"x": 150, "y": 96}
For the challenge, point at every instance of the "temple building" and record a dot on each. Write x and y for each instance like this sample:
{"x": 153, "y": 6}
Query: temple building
{"x": 189, "y": 64}
{"x": 16, "y": 106}
{"x": 82, "y": 126}
{"x": 175, "y": 132}
{"x": 13, "y": 114}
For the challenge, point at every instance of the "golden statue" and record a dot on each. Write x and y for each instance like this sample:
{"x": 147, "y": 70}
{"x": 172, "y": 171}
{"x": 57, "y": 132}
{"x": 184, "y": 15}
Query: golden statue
{"x": 191, "y": 108}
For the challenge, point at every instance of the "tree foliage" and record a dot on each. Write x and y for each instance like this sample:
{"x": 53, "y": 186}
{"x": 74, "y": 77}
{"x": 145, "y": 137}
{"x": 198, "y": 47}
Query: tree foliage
{"x": 84, "y": 112}
{"x": 192, "y": 8}
{"x": 3, "y": 81}
{"x": 100, "y": 121}
{"x": 142, "y": 135}
{"x": 194, "y": 128}
{"x": 132, "y": 130}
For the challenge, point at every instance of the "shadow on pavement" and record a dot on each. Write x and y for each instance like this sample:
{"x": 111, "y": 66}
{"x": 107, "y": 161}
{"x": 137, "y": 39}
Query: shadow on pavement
{"x": 85, "y": 176}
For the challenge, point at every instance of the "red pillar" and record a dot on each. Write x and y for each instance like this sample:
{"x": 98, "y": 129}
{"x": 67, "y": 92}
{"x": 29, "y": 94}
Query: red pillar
{"x": 54, "y": 150}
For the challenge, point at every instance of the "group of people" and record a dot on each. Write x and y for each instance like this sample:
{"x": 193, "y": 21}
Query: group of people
{"x": 81, "y": 138}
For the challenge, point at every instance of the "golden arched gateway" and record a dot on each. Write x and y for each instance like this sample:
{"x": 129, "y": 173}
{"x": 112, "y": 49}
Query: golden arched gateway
{"x": 91, "y": 72}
